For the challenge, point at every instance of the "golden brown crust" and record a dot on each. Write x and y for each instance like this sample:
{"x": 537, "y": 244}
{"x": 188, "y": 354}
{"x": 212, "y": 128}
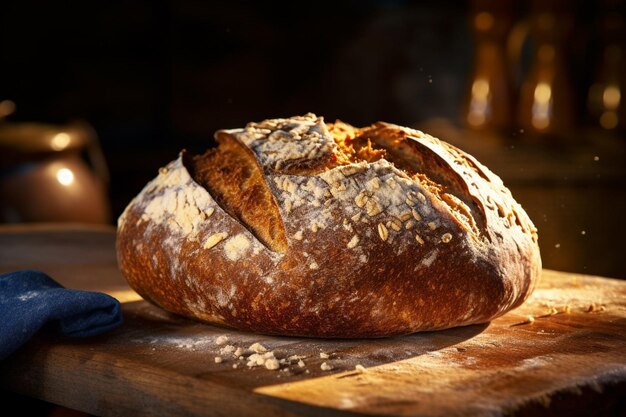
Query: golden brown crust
{"x": 233, "y": 177}
{"x": 388, "y": 231}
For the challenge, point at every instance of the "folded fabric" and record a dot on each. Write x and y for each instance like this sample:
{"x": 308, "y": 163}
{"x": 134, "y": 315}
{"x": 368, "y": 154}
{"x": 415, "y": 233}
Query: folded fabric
{"x": 30, "y": 299}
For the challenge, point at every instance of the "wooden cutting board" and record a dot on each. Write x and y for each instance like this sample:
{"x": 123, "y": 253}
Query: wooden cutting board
{"x": 570, "y": 360}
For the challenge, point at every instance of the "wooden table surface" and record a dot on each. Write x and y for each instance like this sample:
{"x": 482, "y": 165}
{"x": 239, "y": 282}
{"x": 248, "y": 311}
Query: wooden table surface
{"x": 571, "y": 360}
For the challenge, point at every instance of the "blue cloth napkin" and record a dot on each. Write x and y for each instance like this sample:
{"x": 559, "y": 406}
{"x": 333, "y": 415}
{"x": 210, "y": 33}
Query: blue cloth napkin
{"x": 31, "y": 299}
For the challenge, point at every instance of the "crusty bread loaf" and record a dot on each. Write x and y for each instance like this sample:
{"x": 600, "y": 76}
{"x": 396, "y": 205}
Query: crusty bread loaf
{"x": 297, "y": 227}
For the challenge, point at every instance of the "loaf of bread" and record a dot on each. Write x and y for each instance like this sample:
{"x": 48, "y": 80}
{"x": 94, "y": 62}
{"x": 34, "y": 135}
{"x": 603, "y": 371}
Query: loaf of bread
{"x": 298, "y": 227}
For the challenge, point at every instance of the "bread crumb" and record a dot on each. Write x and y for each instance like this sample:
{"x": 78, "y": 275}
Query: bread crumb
{"x": 255, "y": 360}
{"x": 551, "y": 311}
{"x": 238, "y": 352}
{"x": 298, "y": 235}
{"x": 235, "y": 365}
{"x": 325, "y": 367}
{"x": 432, "y": 225}
{"x": 360, "y": 368}
{"x": 227, "y": 349}
{"x": 266, "y": 359}
{"x": 272, "y": 364}
{"x": 313, "y": 265}
{"x": 353, "y": 242}
{"x": 218, "y": 359}
{"x": 257, "y": 347}
{"x": 593, "y": 308}
{"x": 324, "y": 355}
{"x": 221, "y": 340}
{"x": 301, "y": 363}
{"x": 307, "y": 371}
{"x": 530, "y": 319}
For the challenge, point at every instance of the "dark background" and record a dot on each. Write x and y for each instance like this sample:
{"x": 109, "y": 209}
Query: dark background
{"x": 153, "y": 77}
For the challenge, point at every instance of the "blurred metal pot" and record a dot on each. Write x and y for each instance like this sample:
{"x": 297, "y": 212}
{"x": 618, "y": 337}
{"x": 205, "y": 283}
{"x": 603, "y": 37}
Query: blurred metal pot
{"x": 52, "y": 173}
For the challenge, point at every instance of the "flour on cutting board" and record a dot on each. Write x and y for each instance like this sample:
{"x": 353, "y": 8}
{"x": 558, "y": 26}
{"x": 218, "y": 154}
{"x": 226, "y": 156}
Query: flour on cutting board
{"x": 234, "y": 352}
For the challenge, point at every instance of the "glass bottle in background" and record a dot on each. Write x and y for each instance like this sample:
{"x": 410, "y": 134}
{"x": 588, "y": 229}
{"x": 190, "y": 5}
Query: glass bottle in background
{"x": 546, "y": 103}
{"x": 488, "y": 103}
{"x": 605, "y": 101}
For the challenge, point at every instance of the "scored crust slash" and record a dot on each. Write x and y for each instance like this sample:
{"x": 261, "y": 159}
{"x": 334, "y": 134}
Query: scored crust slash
{"x": 298, "y": 227}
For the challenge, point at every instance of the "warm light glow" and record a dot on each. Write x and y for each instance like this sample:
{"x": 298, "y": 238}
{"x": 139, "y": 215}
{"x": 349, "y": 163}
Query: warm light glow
{"x": 65, "y": 176}
{"x": 479, "y": 104}
{"x": 483, "y": 21}
{"x": 60, "y": 141}
{"x": 542, "y": 106}
{"x": 611, "y": 97}
{"x": 609, "y": 120}
{"x": 480, "y": 89}
{"x": 543, "y": 93}
{"x": 476, "y": 119}
{"x": 124, "y": 296}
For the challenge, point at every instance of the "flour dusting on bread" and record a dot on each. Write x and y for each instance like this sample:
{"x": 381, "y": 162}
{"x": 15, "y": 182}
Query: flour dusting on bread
{"x": 329, "y": 230}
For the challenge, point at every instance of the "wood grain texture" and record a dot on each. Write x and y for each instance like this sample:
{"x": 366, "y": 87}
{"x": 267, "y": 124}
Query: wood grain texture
{"x": 160, "y": 364}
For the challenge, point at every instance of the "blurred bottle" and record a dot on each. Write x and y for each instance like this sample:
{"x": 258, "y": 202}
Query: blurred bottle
{"x": 488, "y": 104}
{"x": 546, "y": 103}
{"x": 605, "y": 101}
